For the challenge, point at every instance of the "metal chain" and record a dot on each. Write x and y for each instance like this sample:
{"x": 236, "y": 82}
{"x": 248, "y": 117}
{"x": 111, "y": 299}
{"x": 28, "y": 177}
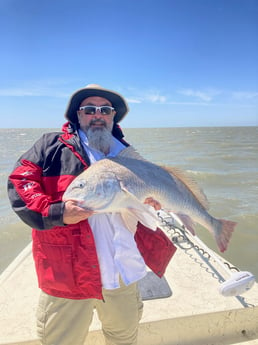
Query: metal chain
{"x": 179, "y": 237}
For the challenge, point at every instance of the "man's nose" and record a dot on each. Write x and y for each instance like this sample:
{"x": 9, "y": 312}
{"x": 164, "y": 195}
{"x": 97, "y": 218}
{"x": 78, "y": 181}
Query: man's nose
{"x": 98, "y": 113}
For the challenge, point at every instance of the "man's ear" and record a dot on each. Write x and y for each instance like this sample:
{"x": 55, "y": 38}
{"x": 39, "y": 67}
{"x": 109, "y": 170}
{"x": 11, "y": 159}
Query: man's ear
{"x": 78, "y": 116}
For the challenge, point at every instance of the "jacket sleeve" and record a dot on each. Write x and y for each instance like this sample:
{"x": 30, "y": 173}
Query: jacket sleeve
{"x": 26, "y": 191}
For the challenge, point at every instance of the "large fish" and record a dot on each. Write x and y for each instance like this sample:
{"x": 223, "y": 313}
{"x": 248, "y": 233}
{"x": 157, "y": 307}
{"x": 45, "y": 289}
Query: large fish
{"x": 122, "y": 183}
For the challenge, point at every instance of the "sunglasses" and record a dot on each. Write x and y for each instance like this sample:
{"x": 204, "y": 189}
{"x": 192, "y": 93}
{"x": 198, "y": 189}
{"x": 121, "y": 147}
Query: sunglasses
{"x": 92, "y": 109}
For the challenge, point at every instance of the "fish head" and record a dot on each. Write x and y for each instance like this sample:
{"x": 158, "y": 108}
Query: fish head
{"x": 95, "y": 193}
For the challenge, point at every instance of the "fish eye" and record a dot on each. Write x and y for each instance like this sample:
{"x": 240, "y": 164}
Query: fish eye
{"x": 80, "y": 184}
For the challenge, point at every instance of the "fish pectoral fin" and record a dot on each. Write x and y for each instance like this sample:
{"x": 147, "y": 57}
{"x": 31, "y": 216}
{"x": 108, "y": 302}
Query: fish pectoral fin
{"x": 146, "y": 215}
{"x": 131, "y": 217}
{"x": 134, "y": 211}
{"x": 129, "y": 220}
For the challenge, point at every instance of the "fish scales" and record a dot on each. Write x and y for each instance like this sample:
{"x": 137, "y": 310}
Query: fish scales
{"x": 122, "y": 183}
{"x": 156, "y": 181}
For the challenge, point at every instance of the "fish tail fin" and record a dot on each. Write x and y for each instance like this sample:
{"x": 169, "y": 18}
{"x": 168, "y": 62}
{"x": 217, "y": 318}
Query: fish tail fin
{"x": 224, "y": 234}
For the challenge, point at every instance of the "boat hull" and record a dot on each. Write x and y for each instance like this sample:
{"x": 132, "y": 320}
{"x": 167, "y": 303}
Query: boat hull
{"x": 195, "y": 312}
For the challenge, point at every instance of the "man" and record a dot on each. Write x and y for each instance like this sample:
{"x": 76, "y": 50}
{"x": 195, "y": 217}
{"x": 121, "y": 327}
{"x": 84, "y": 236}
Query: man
{"x": 83, "y": 260}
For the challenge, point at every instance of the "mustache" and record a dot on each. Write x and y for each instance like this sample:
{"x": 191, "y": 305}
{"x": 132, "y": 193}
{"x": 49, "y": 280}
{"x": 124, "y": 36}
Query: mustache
{"x": 94, "y": 121}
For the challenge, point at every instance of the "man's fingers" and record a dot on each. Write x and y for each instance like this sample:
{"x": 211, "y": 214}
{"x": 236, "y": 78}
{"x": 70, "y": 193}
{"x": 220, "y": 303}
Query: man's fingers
{"x": 74, "y": 214}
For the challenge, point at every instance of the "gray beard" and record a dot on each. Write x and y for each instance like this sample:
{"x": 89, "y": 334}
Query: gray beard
{"x": 99, "y": 139}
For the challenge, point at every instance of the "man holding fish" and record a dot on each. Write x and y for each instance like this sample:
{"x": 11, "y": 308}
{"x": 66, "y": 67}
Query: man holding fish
{"x": 87, "y": 257}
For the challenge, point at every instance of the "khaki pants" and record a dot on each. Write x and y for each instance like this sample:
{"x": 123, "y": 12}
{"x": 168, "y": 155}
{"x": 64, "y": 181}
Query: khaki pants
{"x": 63, "y": 321}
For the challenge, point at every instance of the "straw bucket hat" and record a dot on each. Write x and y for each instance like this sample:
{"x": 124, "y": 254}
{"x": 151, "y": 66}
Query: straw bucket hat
{"x": 91, "y": 90}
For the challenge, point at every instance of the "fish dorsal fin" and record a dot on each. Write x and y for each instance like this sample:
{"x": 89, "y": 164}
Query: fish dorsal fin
{"x": 190, "y": 184}
{"x": 131, "y": 152}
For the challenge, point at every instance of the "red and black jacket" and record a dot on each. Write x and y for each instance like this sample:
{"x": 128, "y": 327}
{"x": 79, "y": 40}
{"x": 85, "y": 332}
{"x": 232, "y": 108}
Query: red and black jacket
{"x": 65, "y": 255}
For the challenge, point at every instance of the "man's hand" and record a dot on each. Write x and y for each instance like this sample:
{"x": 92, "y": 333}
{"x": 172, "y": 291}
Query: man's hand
{"x": 74, "y": 214}
{"x": 154, "y": 203}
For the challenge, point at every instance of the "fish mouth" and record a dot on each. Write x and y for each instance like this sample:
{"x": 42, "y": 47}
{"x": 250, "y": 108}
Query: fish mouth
{"x": 79, "y": 203}
{"x": 72, "y": 200}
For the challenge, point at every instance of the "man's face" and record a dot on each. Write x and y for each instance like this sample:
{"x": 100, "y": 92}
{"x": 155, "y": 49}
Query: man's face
{"x": 97, "y": 120}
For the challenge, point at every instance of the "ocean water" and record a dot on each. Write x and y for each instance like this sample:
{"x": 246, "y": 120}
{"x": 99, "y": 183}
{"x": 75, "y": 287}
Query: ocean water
{"x": 223, "y": 160}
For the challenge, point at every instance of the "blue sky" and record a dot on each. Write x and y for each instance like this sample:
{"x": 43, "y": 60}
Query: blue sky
{"x": 177, "y": 62}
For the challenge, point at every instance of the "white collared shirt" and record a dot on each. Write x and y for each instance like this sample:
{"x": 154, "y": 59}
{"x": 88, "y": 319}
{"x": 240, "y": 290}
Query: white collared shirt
{"x": 116, "y": 248}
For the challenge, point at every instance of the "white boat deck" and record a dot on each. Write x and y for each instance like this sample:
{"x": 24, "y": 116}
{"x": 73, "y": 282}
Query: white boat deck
{"x": 196, "y": 313}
